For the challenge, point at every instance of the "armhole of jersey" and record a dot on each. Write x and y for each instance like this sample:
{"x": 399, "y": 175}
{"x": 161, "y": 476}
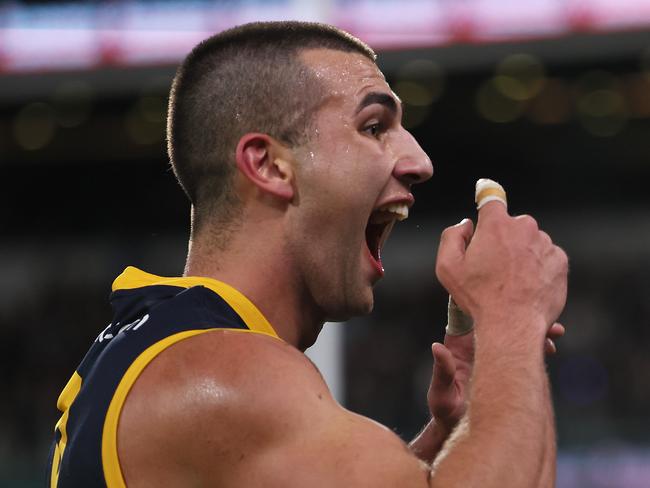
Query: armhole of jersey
{"x": 110, "y": 460}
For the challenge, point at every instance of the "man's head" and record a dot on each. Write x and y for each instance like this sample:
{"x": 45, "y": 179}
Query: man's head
{"x": 246, "y": 79}
{"x": 310, "y": 141}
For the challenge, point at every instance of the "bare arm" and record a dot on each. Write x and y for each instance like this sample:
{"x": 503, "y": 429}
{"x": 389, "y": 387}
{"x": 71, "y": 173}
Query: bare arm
{"x": 512, "y": 280}
{"x": 238, "y": 409}
{"x": 235, "y": 409}
{"x": 449, "y": 391}
{"x": 548, "y": 475}
{"x": 503, "y": 435}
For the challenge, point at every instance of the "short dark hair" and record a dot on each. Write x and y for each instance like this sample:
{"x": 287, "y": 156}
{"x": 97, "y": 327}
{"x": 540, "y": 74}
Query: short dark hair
{"x": 245, "y": 79}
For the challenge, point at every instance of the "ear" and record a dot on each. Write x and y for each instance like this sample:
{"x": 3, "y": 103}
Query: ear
{"x": 260, "y": 158}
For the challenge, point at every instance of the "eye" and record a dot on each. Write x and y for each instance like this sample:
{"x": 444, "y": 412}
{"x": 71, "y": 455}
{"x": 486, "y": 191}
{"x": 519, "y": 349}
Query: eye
{"x": 374, "y": 129}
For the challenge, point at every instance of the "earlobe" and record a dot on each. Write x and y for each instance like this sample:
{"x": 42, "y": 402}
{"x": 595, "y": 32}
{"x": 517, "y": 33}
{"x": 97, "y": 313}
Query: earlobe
{"x": 258, "y": 158}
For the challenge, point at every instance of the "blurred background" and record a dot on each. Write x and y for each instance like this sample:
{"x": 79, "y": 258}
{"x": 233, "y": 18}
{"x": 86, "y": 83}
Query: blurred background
{"x": 549, "y": 97}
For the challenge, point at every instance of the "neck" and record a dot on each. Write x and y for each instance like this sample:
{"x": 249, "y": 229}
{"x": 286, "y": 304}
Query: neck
{"x": 246, "y": 264}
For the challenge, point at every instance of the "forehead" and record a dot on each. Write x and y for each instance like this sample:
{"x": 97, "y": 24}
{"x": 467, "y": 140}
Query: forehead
{"x": 345, "y": 74}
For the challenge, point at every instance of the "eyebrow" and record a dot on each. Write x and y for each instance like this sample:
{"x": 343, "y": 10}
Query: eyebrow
{"x": 377, "y": 97}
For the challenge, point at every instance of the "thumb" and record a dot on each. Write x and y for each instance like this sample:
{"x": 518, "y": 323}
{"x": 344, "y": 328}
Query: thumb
{"x": 453, "y": 243}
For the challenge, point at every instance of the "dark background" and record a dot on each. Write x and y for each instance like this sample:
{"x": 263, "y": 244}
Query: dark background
{"x": 86, "y": 191}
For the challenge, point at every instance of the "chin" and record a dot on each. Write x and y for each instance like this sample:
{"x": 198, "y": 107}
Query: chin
{"x": 356, "y": 306}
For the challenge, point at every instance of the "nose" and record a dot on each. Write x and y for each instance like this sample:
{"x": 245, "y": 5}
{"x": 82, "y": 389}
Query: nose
{"x": 413, "y": 166}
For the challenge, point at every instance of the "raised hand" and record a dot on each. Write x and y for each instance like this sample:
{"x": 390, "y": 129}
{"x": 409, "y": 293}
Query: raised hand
{"x": 506, "y": 268}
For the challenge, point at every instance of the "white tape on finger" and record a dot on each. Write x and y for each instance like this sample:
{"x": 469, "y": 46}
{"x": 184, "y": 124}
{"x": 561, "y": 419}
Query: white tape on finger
{"x": 488, "y": 191}
{"x": 458, "y": 322}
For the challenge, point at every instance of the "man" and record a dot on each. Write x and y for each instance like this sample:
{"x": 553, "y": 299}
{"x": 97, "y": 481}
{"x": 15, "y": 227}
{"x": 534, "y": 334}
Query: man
{"x": 289, "y": 144}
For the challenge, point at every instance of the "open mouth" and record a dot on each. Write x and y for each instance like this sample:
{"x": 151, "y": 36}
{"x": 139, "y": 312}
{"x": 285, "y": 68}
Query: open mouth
{"x": 379, "y": 226}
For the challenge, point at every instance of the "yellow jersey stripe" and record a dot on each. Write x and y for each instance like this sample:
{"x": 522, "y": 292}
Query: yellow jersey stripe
{"x": 66, "y": 398}
{"x": 135, "y": 278}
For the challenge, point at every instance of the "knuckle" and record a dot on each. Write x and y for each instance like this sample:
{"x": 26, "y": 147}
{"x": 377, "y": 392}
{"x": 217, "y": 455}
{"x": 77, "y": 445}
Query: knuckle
{"x": 528, "y": 221}
{"x": 448, "y": 232}
{"x": 563, "y": 257}
{"x": 442, "y": 269}
{"x": 446, "y": 273}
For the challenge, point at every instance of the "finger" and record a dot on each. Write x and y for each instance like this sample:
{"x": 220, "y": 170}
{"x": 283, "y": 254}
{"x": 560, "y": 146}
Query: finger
{"x": 453, "y": 242}
{"x": 444, "y": 366}
{"x": 488, "y": 190}
{"x": 459, "y": 235}
{"x": 490, "y": 212}
{"x": 491, "y": 201}
{"x": 556, "y": 331}
{"x": 461, "y": 348}
{"x": 549, "y": 347}
{"x": 546, "y": 238}
{"x": 458, "y": 322}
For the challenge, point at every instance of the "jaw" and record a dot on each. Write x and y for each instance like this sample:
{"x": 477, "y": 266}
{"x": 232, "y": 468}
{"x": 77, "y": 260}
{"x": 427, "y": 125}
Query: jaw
{"x": 340, "y": 262}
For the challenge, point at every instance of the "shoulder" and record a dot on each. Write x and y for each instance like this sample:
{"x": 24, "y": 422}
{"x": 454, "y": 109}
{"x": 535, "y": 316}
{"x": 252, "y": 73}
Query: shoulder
{"x": 237, "y": 361}
{"x": 205, "y": 392}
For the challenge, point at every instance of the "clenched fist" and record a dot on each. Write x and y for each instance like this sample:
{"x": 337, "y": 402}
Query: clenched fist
{"x": 506, "y": 272}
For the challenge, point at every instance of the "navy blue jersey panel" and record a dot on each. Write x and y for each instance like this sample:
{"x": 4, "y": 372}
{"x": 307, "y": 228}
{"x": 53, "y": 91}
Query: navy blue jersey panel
{"x": 142, "y": 317}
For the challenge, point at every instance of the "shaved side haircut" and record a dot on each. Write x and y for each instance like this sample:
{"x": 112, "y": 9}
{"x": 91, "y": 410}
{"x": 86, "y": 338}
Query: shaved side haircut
{"x": 245, "y": 79}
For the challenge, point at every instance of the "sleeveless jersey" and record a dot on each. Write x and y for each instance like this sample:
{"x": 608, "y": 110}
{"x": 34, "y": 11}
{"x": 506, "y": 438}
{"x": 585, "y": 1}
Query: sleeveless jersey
{"x": 150, "y": 314}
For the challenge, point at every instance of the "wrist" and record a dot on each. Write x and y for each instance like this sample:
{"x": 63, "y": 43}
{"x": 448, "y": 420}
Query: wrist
{"x": 525, "y": 323}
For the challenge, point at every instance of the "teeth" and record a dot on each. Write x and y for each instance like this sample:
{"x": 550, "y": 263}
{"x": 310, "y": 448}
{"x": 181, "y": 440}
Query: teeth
{"x": 400, "y": 210}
